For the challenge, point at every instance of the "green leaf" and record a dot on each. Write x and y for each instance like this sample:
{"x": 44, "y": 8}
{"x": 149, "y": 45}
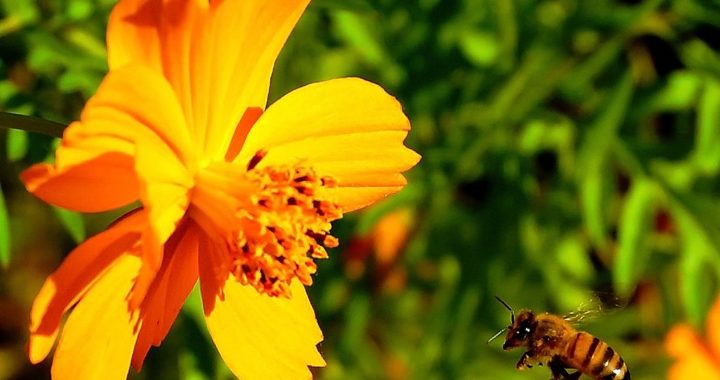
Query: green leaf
{"x": 78, "y": 80}
{"x": 93, "y": 45}
{"x": 526, "y": 78}
{"x": 592, "y": 200}
{"x": 698, "y": 218}
{"x": 695, "y": 278}
{"x": 572, "y": 258}
{"x": 25, "y": 10}
{"x": 4, "y": 233}
{"x": 698, "y": 227}
{"x": 51, "y": 52}
{"x": 593, "y": 157}
{"x": 602, "y": 133}
{"x": 480, "y": 48}
{"x": 696, "y": 54}
{"x": 707, "y": 148}
{"x": 681, "y": 92}
{"x": 79, "y": 9}
{"x": 348, "y": 5}
{"x": 359, "y": 33}
{"x": 579, "y": 82}
{"x": 635, "y": 222}
{"x": 73, "y": 223}
{"x": 19, "y": 14}
{"x": 7, "y": 91}
{"x": 17, "y": 144}
{"x": 507, "y": 19}
{"x": 197, "y": 359}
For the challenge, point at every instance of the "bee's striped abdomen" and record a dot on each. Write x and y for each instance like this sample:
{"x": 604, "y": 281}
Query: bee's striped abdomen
{"x": 595, "y": 358}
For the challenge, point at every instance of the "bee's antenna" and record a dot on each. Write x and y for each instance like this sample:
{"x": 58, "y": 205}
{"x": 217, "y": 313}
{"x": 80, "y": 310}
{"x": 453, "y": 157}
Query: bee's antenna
{"x": 496, "y": 335}
{"x": 512, "y": 313}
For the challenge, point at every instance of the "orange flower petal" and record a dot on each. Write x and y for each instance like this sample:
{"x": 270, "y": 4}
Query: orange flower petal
{"x": 213, "y": 271}
{"x": 71, "y": 280}
{"x": 349, "y": 129}
{"x": 98, "y": 337}
{"x": 133, "y": 108}
{"x": 170, "y": 288}
{"x": 132, "y": 35}
{"x": 142, "y": 104}
{"x": 217, "y": 55}
{"x": 694, "y": 368}
{"x": 713, "y": 329}
{"x": 157, "y": 34}
{"x": 682, "y": 340}
{"x": 165, "y": 192}
{"x": 137, "y": 104}
{"x": 261, "y": 337}
{"x": 109, "y": 177}
{"x": 390, "y": 235}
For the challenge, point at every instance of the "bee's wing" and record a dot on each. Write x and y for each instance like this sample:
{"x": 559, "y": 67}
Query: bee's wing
{"x": 583, "y": 314}
{"x": 593, "y": 308}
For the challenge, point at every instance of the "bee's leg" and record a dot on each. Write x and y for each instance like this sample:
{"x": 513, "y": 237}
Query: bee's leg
{"x": 525, "y": 361}
{"x": 557, "y": 367}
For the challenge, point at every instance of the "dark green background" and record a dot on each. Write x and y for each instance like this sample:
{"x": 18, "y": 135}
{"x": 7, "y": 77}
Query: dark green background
{"x": 571, "y": 151}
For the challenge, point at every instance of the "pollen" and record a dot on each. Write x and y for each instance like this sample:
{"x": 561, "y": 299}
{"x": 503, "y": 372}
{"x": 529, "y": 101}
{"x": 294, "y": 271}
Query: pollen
{"x": 273, "y": 220}
{"x": 285, "y": 228}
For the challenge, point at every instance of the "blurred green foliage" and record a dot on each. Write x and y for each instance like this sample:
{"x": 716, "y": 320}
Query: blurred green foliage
{"x": 571, "y": 150}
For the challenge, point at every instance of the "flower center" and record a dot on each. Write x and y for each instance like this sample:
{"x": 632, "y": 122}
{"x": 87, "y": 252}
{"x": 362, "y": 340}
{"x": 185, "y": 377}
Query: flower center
{"x": 271, "y": 220}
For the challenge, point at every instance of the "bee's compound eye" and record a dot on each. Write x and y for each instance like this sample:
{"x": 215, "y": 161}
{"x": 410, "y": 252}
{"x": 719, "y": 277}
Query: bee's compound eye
{"x": 523, "y": 331}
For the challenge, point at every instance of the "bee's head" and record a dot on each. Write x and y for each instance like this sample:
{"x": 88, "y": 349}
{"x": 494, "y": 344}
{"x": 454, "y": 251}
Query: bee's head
{"x": 520, "y": 330}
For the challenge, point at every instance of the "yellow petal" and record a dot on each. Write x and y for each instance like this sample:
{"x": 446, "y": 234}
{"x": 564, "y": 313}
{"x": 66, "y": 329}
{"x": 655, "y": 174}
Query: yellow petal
{"x": 235, "y": 74}
{"x": 71, "y": 280}
{"x": 174, "y": 281}
{"x": 353, "y": 198}
{"x": 347, "y": 128}
{"x": 261, "y": 337}
{"x": 217, "y": 55}
{"x": 98, "y": 337}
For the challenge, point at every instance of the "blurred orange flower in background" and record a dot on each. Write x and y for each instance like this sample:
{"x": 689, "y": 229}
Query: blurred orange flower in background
{"x": 695, "y": 357}
{"x": 234, "y": 195}
{"x": 381, "y": 249}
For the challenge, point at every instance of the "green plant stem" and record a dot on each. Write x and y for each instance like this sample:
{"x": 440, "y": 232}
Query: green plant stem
{"x": 31, "y": 124}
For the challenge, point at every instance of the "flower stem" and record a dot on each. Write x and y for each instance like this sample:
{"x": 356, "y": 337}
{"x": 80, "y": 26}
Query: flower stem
{"x": 31, "y": 124}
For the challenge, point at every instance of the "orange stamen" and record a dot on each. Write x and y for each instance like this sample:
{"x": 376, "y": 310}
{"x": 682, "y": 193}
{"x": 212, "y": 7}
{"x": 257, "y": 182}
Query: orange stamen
{"x": 275, "y": 225}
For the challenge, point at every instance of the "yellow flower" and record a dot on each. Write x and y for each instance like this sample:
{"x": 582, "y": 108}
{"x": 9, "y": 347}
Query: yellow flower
{"x": 234, "y": 195}
{"x": 696, "y": 358}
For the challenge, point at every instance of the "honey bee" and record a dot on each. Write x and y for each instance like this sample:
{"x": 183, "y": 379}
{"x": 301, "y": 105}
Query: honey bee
{"x": 552, "y": 340}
